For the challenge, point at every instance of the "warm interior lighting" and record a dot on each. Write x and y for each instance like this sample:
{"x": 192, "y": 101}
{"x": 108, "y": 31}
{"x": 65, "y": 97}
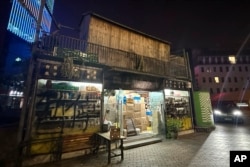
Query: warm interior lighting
{"x": 232, "y": 59}
{"x": 216, "y": 79}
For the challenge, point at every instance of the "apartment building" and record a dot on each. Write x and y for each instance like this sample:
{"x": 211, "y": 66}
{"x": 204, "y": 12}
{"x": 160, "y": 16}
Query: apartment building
{"x": 222, "y": 73}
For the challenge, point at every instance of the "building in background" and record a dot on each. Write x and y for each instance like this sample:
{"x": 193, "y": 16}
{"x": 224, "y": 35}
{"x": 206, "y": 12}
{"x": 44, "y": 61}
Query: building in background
{"x": 21, "y": 30}
{"x": 225, "y": 74}
{"x": 19, "y": 20}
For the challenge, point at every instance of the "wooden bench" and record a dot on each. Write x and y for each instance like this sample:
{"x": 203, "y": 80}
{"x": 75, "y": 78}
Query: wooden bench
{"x": 71, "y": 143}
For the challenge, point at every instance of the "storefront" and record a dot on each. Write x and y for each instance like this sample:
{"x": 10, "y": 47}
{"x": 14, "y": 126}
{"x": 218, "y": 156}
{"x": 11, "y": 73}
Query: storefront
{"x": 134, "y": 102}
{"x": 178, "y": 107}
{"x": 72, "y": 100}
{"x": 135, "y": 111}
{"x": 65, "y": 105}
{"x": 147, "y": 105}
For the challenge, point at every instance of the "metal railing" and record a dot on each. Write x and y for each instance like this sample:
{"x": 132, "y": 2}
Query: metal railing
{"x": 64, "y": 46}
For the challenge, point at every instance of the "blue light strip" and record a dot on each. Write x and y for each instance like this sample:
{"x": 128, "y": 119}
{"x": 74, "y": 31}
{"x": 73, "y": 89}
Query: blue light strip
{"x": 22, "y": 22}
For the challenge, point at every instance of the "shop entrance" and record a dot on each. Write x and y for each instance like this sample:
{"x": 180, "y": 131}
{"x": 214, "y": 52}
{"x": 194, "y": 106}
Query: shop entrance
{"x": 135, "y": 112}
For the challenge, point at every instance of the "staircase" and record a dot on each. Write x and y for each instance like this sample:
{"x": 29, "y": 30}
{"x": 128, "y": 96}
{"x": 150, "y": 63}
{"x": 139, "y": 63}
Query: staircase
{"x": 139, "y": 140}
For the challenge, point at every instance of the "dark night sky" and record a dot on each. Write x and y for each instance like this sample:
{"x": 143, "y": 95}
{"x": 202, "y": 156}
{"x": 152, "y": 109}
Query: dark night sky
{"x": 186, "y": 24}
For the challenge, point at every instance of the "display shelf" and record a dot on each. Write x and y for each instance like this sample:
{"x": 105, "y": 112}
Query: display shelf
{"x": 177, "y": 107}
{"x": 68, "y": 102}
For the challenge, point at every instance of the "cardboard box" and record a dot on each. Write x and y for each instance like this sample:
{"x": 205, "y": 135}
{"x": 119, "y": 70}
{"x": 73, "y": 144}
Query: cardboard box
{"x": 137, "y": 107}
{"x": 130, "y": 107}
{"x": 129, "y": 114}
{"x": 137, "y": 114}
{"x": 114, "y": 133}
{"x": 137, "y": 121}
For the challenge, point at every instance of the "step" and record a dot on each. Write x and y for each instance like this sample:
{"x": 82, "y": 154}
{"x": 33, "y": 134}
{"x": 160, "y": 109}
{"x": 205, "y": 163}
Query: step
{"x": 141, "y": 142}
{"x": 138, "y": 137}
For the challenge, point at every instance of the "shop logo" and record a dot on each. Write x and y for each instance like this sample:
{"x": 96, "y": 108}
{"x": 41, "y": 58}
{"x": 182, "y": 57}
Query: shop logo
{"x": 239, "y": 158}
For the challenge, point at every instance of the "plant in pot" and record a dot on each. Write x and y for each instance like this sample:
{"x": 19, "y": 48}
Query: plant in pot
{"x": 173, "y": 127}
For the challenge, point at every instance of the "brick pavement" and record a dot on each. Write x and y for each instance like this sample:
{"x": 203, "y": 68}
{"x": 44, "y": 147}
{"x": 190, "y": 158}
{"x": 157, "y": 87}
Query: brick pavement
{"x": 192, "y": 150}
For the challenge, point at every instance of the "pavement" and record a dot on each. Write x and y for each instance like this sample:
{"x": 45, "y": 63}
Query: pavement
{"x": 198, "y": 149}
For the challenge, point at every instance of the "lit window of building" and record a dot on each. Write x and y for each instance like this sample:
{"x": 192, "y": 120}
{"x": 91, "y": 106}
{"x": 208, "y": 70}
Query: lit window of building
{"x": 232, "y": 59}
{"x": 216, "y": 79}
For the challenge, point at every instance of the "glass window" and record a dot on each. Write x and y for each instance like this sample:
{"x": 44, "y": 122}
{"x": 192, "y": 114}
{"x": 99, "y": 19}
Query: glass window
{"x": 210, "y": 79}
{"x": 218, "y": 90}
{"x": 221, "y": 70}
{"x": 216, "y": 79}
{"x": 214, "y": 69}
{"x": 202, "y": 69}
{"x": 232, "y": 59}
{"x": 240, "y": 69}
{"x": 208, "y": 70}
{"x": 203, "y": 79}
{"x": 235, "y": 79}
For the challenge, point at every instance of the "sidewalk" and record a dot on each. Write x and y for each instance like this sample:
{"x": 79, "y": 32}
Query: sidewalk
{"x": 199, "y": 149}
{"x": 169, "y": 152}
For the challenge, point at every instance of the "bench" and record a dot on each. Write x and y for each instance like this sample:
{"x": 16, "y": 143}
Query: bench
{"x": 71, "y": 143}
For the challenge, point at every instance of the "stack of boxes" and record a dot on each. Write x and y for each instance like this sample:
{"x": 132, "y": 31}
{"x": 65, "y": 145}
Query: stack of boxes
{"x": 136, "y": 110}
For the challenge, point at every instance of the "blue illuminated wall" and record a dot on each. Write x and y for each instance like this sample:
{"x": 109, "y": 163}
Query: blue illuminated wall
{"x": 17, "y": 48}
{"x": 24, "y": 15}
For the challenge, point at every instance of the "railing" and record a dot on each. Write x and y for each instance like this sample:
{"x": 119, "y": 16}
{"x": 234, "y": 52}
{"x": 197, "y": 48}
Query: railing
{"x": 64, "y": 46}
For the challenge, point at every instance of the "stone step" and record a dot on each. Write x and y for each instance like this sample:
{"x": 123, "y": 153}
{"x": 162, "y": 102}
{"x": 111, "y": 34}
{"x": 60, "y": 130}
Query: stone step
{"x": 138, "y": 137}
{"x": 142, "y": 142}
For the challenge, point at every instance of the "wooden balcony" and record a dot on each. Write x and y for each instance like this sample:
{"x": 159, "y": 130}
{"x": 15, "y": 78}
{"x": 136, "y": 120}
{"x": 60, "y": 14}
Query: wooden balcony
{"x": 64, "y": 46}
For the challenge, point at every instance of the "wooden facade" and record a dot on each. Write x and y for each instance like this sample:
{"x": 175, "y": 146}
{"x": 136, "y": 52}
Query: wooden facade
{"x": 99, "y": 30}
{"x": 107, "y": 53}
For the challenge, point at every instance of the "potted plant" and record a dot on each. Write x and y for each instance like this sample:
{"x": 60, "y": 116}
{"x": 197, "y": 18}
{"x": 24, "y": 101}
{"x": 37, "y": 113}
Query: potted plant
{"x": 173, "y": 126}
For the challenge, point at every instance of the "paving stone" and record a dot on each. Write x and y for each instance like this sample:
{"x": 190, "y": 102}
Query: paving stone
{"x": 199, "y": 149}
